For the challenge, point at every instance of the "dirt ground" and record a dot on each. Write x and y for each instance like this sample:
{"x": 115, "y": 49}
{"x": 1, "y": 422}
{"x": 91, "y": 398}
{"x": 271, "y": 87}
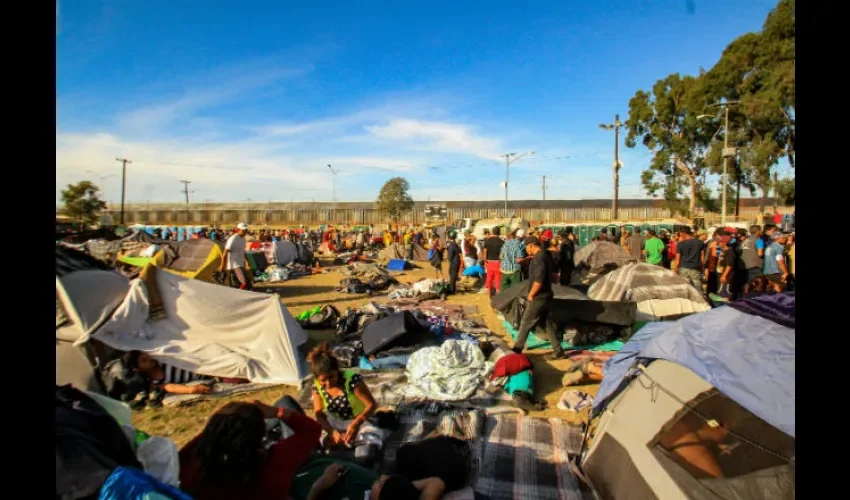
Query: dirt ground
{"x": 183, "y": 423}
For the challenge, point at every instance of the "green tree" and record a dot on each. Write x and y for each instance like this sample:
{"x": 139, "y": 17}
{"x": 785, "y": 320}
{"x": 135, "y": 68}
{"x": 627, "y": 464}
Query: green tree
{"x": 393, "y": 200}
{"x": 785, "y": 190}
{"x": 665, "y": 122}
{"x": 81, "y": 202}
{"x": 757, "y": 69}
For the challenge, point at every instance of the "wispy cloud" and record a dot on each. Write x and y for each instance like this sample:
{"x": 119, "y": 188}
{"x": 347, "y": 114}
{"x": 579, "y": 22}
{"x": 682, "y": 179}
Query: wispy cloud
{"x": 438, "y": 136}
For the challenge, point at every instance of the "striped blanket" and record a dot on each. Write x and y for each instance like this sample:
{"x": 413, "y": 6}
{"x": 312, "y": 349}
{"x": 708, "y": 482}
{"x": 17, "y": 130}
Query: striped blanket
{"x": 642, "y": 282}
{"x": 528, "y": 458}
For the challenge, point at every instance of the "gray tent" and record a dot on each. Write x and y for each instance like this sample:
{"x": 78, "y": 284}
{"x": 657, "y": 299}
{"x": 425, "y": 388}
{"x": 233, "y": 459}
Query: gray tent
{"x": 698, "y": 408}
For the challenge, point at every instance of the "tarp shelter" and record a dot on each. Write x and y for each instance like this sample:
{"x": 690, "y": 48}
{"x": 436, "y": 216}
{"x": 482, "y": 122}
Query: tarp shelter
{"x": 570, "y": 307}
{"x": 599, "y": 255}
{"x": 196, "y": 259}
{"x": 658, "y": 292}
{"x": 399, "y": 329}
{"x": 207, "y": 329}
{"x": 397, "y": 251}
{"x": 724, "y": 374}
{"x": 287, "y": 252}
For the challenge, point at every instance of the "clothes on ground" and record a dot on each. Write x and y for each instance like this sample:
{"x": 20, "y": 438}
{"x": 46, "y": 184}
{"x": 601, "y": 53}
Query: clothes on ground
{"x": 654, "y": 250}
{"x": 127, "y": 483}
{"x": 773, "y": 255}
{"x": 281, "y": 464}
{"x": 510, "y": 364}
{"x": 522, "y": 381}
{"x": 575, "y": 401}
{"x": 511, "y": 251}
{"x": 689, "y": 251}
{"x": 474, "y": 270}
{"x": 450, "y": 372}
{"x": 236, "y": 246}
{"x": 347, "y": 405}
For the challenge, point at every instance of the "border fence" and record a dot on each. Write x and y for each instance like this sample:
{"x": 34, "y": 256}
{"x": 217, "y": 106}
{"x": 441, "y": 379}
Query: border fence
{"x": 287, "y": 214}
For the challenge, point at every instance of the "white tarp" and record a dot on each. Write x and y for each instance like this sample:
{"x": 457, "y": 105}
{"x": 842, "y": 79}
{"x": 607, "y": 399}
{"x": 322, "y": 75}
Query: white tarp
{"x": 211, "y": 330}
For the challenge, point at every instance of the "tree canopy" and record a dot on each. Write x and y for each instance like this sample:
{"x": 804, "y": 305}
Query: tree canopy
{"x": 756, "y": 72}
{"x": 81, "y": 202}
{"x": 393, "y": 199}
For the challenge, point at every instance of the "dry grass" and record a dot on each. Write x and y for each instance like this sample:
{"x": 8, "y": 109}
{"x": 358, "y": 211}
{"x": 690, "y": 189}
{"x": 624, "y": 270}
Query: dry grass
{"x": 183, "y": 423}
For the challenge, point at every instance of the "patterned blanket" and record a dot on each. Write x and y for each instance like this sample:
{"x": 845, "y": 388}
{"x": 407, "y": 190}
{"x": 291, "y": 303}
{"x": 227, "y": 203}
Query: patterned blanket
{"x": 641, "y": 282}
{"x": 387, "y": 386}
{"x": 450, "y": 372}
{"x": 528, "y": 458}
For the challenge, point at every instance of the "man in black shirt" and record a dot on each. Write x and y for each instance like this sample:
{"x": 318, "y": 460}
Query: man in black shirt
{"x": 492, "y": 260}
{"x": 454, "y": 260}
{"x": 539, "y": 306}
{"x": 690, "y": 253}
{"x": 567, "y": 254}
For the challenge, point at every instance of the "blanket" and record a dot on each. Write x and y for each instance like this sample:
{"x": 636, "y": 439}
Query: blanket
{"x": 450, "y": 372}
{"x": 528, "y": 458}
{"x": 220, "y": 390}
{"x": 387, "y": 387}
{"x": 535, "y": 342}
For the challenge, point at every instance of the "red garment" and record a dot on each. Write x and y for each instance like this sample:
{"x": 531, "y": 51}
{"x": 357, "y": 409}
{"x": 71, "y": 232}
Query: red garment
{"x": 494, "y": 275}
{"x": 777, "y": 219}
{"x": 282, "y": 463}
{"x": 255, "y": 245}
{"x": 510, "y": 364}
{"x": 671, "y": 250}
{"x": 547, "y": 234}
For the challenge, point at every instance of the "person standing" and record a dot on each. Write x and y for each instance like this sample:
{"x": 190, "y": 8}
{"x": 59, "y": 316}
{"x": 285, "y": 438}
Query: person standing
{"x": 453, "y": 253}
{"x": 690, "y": 253}
{"x": 653, "y": 248}
{"x": 751, "y": 261}
{"x": 436, "y": 257}
{"x": 234, "y": 257}
{"x": 774, "y": 267}
{"x": 490, "y": 255}
{"x": 470, "y": 250}
{"x": 635, "y": 244}
{"x": 566, "y": 262}
{"x": 665, "y": 240}
{"x": 540, "y": 299}
{"x": 513, "y": 252}
{"x": 725, "y": 263}
{"x": 603, "y": 233}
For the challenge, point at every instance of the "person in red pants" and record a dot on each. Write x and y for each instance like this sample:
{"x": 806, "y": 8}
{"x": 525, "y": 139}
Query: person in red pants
{"x": 492, "y": 258}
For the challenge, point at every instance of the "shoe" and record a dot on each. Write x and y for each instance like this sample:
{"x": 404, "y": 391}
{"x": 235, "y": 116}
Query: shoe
{"x": 555, "y": 356}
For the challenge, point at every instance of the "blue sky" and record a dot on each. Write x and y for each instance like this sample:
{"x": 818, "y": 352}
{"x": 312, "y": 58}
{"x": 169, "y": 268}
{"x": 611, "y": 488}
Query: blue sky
{"x": 252, "y": 99}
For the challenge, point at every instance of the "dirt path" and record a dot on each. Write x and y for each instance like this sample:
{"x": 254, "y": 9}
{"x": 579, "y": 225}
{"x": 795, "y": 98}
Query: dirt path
{"x": 305, "y": 293}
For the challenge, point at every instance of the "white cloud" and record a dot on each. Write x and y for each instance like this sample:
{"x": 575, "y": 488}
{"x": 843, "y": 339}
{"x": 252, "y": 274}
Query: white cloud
{"x": 439, "y": 136}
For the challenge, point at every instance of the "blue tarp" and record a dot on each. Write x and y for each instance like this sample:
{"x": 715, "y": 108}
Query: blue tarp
{"x": 748, "y": 358}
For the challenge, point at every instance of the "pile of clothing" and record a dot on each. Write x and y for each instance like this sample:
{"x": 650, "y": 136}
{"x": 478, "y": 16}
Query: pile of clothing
{"x": 425, "y": 289}
{"x": 319, "y": 317}
{"x": 377, "y": 284}
{"x": 275, "y": 273}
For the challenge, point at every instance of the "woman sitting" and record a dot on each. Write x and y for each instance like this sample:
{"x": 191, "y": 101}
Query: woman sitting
{"x": 234, "y": 459}
{"x": 342, "y": 404}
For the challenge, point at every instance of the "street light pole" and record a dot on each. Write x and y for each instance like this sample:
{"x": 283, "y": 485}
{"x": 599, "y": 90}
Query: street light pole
{"x": 725, "y": 165}
{"x": 616, "y": 126}
{"x": 510, "y": 158}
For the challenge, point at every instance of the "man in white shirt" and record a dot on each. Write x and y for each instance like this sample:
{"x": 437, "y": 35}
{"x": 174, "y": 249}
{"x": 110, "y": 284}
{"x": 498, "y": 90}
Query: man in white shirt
{"x": 234, "y": 258}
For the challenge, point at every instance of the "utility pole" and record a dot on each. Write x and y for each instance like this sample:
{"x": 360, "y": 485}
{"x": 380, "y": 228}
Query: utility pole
{"x": 727, "y": 153}
{"x": 333, "y": 173}
{"x": 510, "y": 158}
{"x": 544, "y": 188}
{"x": 616, "y": 126}
{"x": 775, "y": 192}
{"x": 186, "y": 191}
{"x": 124, "y": 162}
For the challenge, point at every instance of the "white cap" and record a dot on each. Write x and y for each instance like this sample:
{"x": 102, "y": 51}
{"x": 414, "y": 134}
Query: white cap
{"x": 242, "y": 225}
{"x": 520, "y": 233}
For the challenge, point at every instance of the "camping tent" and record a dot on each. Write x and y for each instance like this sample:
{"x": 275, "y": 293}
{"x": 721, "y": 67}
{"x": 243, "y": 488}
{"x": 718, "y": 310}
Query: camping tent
{"x": 723, "y": 377}
{"x": 208, "y": 329}
{"x": 601, "y": 254}
{"x": 659, "y": 293}
{"x": 196, "y": 259}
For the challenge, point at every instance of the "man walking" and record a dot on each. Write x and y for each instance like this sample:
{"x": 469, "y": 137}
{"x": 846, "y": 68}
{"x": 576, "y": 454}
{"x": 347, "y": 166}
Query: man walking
{"x": 491, "y": 256}
{"x": 453, "y": 254}
{"x": 540, "y": 297}
{"x": 774, "y": 267}
{"x": 513, "y": 252}
{"x": 689, "y": 256}
{"x": 234, "y": 257}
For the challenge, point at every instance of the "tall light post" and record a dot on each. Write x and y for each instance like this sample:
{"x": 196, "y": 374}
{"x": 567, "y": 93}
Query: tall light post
{"x": 510, "y": 158}
{"x": 333, "y": 173}
{"x": 727, "y": 152}
{"x": 616, "y": 126}
{"x": 124, "y": 162}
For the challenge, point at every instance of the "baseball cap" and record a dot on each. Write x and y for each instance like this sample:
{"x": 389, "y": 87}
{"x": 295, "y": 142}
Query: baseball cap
{"x": 242, "y": 225}
{"x": 520, "y": 233}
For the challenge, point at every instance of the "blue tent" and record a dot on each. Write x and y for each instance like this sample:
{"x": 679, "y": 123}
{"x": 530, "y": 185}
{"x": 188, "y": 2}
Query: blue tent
{"x": 747, "y": 357}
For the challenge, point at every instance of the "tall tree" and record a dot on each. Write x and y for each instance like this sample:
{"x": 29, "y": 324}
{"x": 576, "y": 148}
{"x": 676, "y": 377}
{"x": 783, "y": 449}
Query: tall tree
{"x": 665, "y": 121}
{"x": 757, "y": 69}
{"x": 785, "y": 190}
{"x": 82, "y": 203}
{"x": 393, "y": 200}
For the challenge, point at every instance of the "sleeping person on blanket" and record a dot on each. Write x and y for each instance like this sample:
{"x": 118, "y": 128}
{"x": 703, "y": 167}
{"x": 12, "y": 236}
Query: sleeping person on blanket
{"x": 343, "y": 404}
